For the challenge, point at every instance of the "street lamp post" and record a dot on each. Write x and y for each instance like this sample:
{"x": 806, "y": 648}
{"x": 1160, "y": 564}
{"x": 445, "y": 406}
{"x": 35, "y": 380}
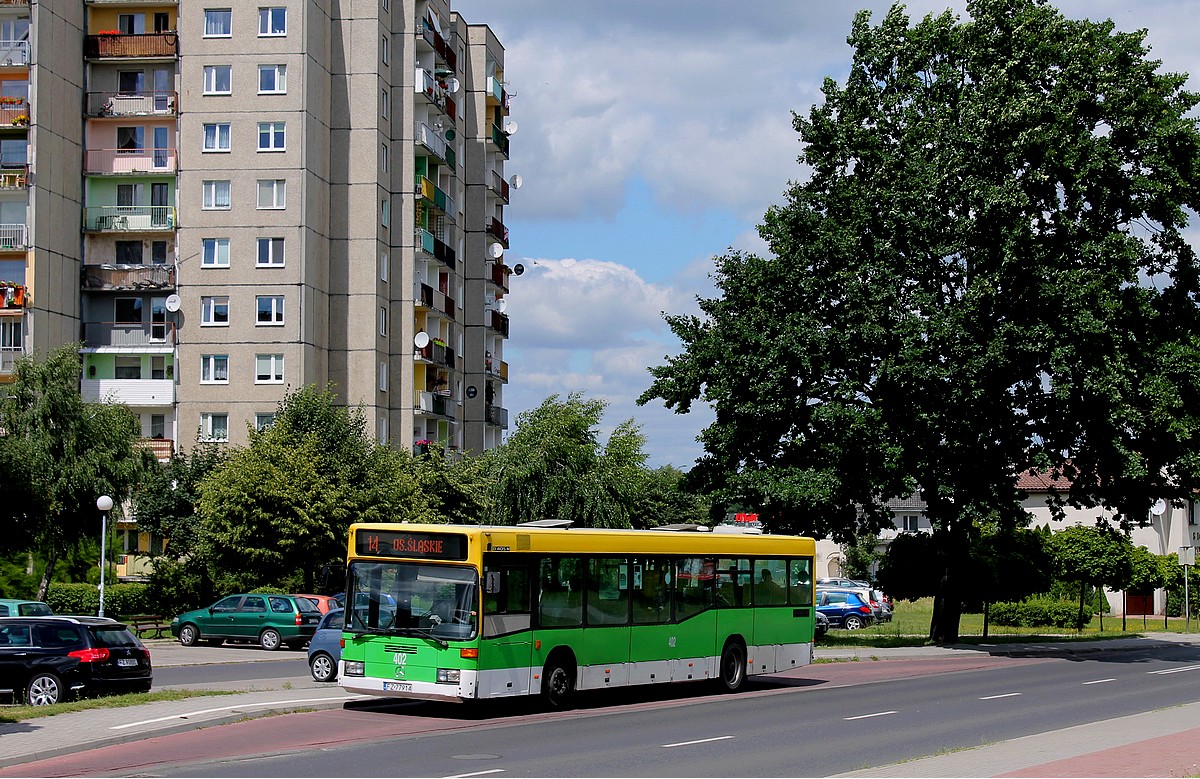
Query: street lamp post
{"x": 105, "y": 504}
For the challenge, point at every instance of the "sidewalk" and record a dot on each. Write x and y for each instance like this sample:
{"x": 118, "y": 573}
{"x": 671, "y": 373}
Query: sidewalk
{"x": 1160, "y": 743}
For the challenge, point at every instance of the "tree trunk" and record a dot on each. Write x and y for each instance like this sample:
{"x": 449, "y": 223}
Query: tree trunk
{"x": 44, "y": 584}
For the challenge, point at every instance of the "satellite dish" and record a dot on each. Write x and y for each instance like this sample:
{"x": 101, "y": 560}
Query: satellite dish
{"x": 496, "y": 250}
{"x": 501, "y": 305}
{"x": 173, "y": 303}
{"x": 510, "y": 128}
{"x": 452, "y": 85}
{"x": 421, "y": 340}
{"x": 450, "y": 134}
{"x": 516, "y": 181}
{"x": 1159, "y": 508}
{"x": 518, "y": 269}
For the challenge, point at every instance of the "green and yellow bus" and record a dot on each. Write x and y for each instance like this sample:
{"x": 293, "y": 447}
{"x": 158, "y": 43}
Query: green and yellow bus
{"x": 465, "y": 612}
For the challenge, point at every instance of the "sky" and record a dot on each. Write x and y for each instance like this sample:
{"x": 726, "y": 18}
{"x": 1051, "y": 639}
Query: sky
{"x": 653, "y": 135}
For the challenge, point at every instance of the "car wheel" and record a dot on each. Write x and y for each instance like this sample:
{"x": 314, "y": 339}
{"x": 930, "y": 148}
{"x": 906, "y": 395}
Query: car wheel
{"x": 852, "y": 622}
{"x": 733, "y": 666}
{"x": 270, "y": 639}
{"x": 323, "y": 668}
{"x": 44, "y": 689}
{"x": 558, "y": 683}
{"x": 189, "y": 635}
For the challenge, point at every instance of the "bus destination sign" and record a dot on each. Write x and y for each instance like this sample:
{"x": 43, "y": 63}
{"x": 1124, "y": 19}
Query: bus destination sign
{"x": 405, "y": 543}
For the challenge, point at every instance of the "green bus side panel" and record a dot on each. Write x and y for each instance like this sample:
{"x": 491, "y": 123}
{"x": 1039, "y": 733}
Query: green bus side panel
{"x": 780, "y": 626}
{"x": 514, "y": 651}
{"x": 734, "y": 622}
{"x": 601, "y": 645}
{"x": 658, "y": 642}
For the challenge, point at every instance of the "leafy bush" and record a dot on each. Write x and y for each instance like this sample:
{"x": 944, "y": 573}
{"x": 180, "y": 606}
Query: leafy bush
{"x": 270, "y": 591}
{"x": 177, "y": 586}
{"x": 1038, "y": 613}
{"x": 120, "y": 599}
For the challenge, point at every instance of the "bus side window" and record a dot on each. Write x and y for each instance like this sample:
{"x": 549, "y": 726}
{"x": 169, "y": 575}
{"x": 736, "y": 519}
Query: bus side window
{"x": 770, "y": 582}
{"x": 608, "y": 591}
{"x": 693, "y": 586}
{"x": 651, "y": 591}
{"x": 800, "y": 581}
{"x": 733, "y": 582}
{"x": 560, "y": 600}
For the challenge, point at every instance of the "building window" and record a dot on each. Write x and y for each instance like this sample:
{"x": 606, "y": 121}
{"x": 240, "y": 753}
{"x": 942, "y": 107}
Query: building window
{"x": 218, "y": 79}
{"x": 271, "y": 136}
{"x": 129, "y": 252}
{"x": 268, "y": 369}
{"x": 214, "y": 427}
{"x": 158, "y": 426}
{"x": 131, "y": 139}
{"x": 131, "y": 24}
{"x": 383, "y": 430}
{"x": 218, "y": 23}
{"x": 384, "y": 212}
{"x": 158, "y": 367}
{"x": 385, "y": 48}
{"x": 383, "y": 321}
{"x": 216, "y": 137}
{"x": 215, "y": 253}
{"x": 272, "y": 193}
{"x": 128, "y": 367}
{"x": 127, "y": 310}
{"x": 270, "y": 252}
{"x": 214, "y": 310}
{"x": 158, "y": 252}
{"x": 385, "y": 103}
{"x": 214, "y": 369}
{"x": 216, "y": 194}
{"x": 270, "y": 309}
{"x": 272, "y": 79}
{"x": 383, "y": 157}
{"x": 383, "y": 377}
{"x": 912, "y": 523}
{"x": 383, "y": 266}
{"x": 263, "y": 421}
{"x": 272, "y": 21}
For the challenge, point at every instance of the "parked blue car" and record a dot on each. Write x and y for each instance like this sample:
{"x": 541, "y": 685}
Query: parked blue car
{"x": 325, "y": 648}
{"x": 844, "y": 609}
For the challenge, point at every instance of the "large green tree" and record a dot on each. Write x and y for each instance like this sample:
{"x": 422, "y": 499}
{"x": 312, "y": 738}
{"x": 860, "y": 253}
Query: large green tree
{"x": 983, "y": 272}
{"x": 58, "y": 454}
{"x": 555, "y": 466}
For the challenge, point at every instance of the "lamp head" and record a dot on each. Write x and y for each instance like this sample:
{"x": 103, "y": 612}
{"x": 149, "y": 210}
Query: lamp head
{"x": 104, "y": 503}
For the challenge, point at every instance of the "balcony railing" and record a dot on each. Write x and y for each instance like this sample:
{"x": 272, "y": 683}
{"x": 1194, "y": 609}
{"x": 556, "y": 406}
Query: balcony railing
{"x": 131, "y": 392}
{"x": 497, "y": 230}
{"x": 128, "y": 219}
{"x": 440, "y": 45}
{"x": 122, "y": 277}
{"x": 497, "y": 368}
{"x": 431, "y": 140}
{"x": 13, "y": 53}
{"x": 495, "y": 415}
{"x": 160, "y": 103}
{"x": 13, "y": 237}
{"x": 499, "y": 276}
{"x": 128, "y": 333}
{"x": 8, "y": 358}
{"x": 141, "y": 45}
{"x": 163, "y": 448}
{"x": 495, "y": 88}
{"x": 15, "y": 296}
{"x": 498, "y": 322}
{"x": 499, "y": 186}
{"x": 500, "y": 140}
{"x": 14, "y": 113}
{"x": 14, "y": 177}
{"x": 14, "y": 2}
{"x": 428, "y": 85}
{"x": 118, "y": 161}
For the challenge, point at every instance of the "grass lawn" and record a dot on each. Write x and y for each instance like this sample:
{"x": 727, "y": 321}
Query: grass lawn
{"x": 20, "y": 712}
{"x": 910, "y": 627}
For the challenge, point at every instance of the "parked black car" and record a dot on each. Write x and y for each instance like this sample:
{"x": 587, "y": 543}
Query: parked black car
{"x": 45, "y": 660}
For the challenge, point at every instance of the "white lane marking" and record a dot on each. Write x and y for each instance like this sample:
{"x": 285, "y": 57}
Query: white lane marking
{"x": 228, "y": 708}
{"x": 1098, "y": 681}
{"x": 477, "y": 773}
{"x": 994, "y": 697}
{"x": 1177, "y": 670}
{"x": 868, "y": 716}
{"x": 697, "y": 741}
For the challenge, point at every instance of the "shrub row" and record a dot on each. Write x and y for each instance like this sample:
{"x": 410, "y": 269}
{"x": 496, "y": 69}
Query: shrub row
{"x": 1038, "y": 613}
{"x": 120, "y": 600}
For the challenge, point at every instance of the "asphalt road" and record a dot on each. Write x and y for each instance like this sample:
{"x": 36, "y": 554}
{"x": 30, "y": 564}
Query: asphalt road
{"x": 823, "y": 720}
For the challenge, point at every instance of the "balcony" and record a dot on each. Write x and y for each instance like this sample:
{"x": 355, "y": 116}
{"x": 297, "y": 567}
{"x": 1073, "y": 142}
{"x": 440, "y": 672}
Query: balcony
{"x": 435, "y": 247}
{"x": 499, "y": 140}
{"x": 128, "y": 161}
{"x": 129, "y": 219}
{"x": 431, "y": 140}
{"x": 14, "y": 112}
{"x": 440, "y": 45}
{"x": 499, "y": 276}
{"x": 127, "y": 277}
{"x": 495, "y": 92}
{"x": 8, "y": 359}
{"x": 437, "y": 353}
{"x": 14, "y": 54}
{"x": 131, "y": 392}
{"x": 495, "y": 415}
{"x": 14, "y": 176}
{"x": 436, "y": 92}
{"x": 497, "y": 230}
{"x": 163, "y": 448}
{"x": 128, "y": 334}
{"x": 13, "y": 298}
{"x": 498, "y": 322}
{"x": 498, "y": 185}
{"x": 13, "y": 238}
{"x": 132, "y": 104}
{"x": 150, "y": 45}
{"x": 135, "y": 567}
{"x": 496, "y": 368}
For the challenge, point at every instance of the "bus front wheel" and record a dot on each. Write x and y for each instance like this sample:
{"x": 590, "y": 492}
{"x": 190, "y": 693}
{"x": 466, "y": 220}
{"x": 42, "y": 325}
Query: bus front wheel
{"x": 733, "y": 666}
{"x": 558, "y": 682}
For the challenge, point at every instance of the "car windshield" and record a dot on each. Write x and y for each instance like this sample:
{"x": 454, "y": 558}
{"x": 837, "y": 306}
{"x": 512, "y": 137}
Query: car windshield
{"x": 439, "y": 601}
{"x": 34, "y": 610}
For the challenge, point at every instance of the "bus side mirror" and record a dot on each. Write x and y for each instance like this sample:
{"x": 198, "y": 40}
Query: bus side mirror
{"x": 491, "y": 584}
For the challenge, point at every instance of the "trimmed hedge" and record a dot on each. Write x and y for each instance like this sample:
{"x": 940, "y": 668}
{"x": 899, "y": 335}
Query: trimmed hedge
{"x": 120, "y": 600}
{"x": 1038, "y": 613}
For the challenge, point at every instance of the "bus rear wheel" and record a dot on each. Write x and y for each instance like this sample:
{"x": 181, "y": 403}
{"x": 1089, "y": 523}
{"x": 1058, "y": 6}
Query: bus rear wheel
{"x": 733, "y": 666}
{"x": 558, "y": 682}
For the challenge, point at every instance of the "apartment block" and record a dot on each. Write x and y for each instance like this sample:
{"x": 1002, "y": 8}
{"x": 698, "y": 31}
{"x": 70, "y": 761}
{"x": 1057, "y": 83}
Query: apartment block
{"x": 224, "y": 201}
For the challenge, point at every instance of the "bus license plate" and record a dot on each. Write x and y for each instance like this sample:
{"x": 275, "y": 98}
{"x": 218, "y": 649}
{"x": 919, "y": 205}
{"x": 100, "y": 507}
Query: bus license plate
{"x": 397, "y": 686}
{"x": 127, "y": 662}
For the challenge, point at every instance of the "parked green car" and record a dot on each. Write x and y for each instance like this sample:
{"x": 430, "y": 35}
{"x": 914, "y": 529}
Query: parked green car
{"x": 268, "y": 620}
{"x": 11, "y": 607}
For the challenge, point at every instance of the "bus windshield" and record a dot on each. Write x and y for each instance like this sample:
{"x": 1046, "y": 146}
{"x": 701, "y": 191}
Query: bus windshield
{"x": 417, "y": 599}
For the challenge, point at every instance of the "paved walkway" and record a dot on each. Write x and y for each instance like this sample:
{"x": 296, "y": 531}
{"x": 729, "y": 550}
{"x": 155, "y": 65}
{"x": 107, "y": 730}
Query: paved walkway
{"x": 1156, "y": 744}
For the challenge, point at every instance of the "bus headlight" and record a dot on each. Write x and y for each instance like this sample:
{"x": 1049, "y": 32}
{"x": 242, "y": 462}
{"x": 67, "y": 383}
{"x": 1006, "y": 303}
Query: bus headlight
{"x": 353, "y": 668}
{"x": 447, "y": 675}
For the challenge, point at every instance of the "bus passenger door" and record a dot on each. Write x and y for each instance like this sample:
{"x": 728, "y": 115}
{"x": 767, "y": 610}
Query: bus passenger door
{"x": 506, "y": 653}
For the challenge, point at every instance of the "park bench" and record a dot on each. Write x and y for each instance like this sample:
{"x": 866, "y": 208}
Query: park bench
{"x": 148, "y": 625}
